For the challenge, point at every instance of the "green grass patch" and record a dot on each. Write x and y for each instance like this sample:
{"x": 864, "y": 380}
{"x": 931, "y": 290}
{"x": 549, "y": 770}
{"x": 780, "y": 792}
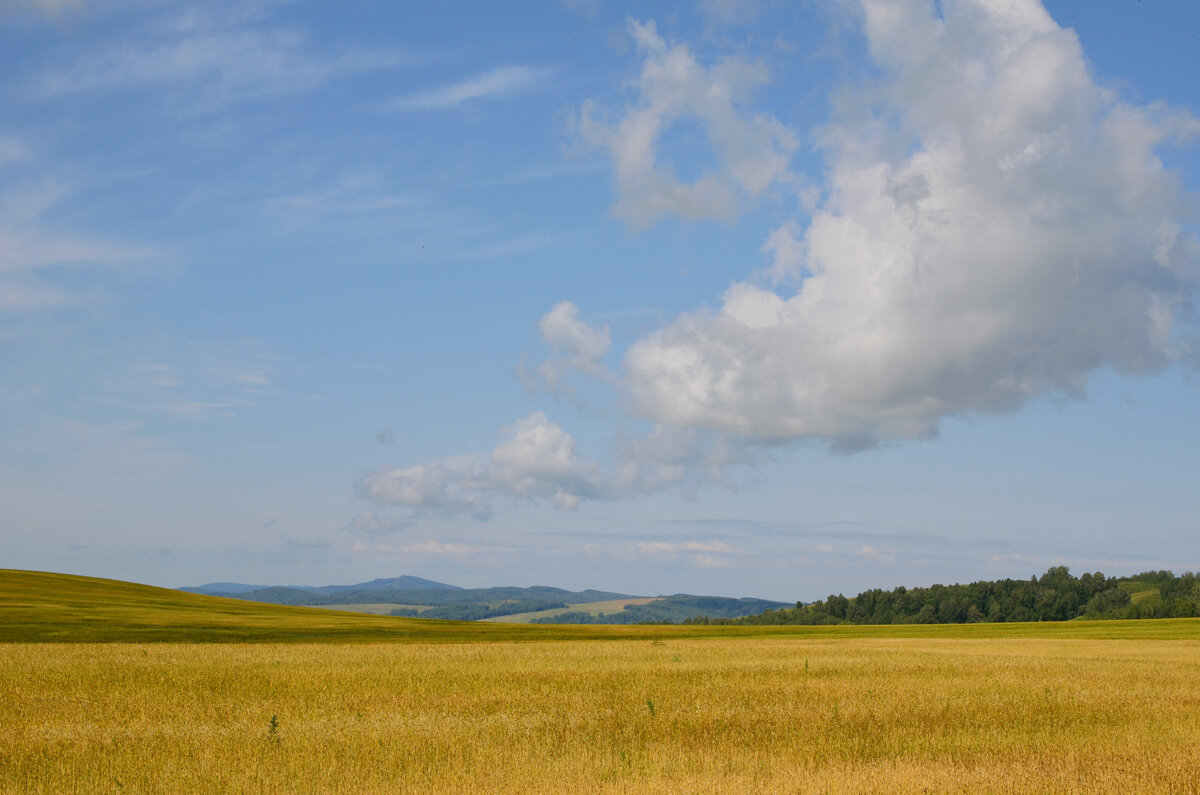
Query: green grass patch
{"x": 1141, "y": 596}
{"x": 374, "y": 608}
{"x": 591, "y": 608}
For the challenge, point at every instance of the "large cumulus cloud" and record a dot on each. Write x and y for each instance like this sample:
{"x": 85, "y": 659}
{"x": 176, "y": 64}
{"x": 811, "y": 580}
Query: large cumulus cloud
{"x": 995, "y": 227}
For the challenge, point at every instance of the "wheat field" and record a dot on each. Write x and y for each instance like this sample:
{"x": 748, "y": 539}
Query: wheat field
{"x": 724, "y": 715}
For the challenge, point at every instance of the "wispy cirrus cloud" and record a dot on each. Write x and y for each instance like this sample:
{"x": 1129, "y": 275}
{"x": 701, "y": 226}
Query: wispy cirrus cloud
{"x": 499, "y": 82}
{"x": 198, "y": 381}
{"x": 32, "y": 247}
{"x": 23, "y": 295}
{"x": 12, "y": 150}
{"x": 52, "y": 8}
{"x": 675, "y": 547}
{"x": 435, "y": 548}
{"x": 213, "y": 65}
{"x": 360, "y": 192}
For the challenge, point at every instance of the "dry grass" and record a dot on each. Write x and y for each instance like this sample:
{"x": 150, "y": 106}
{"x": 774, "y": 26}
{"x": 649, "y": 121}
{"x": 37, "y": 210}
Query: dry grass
{"x": 725, "y": 714}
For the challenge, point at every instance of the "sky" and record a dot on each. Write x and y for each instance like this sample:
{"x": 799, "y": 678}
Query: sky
{"x": 757, "y": 298}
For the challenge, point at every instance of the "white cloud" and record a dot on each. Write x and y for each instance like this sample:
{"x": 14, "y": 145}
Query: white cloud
{"x": 876, "y": 555}
{"x": 998, "y": 232}
{"x": 499, "y": 82}
{"x": 442, "y": 487}
{"x": 535, "y": 459}
{"x": 575, "y": 345}
{"x": 666, "y": 457}
{"x": 752, "y": 151}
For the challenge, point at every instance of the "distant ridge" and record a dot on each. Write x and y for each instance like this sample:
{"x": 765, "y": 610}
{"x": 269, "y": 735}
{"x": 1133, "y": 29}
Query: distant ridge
{"x": 418, "y": 597}
{"x": 405, "y": 582}
{"x": 222, "y": 588}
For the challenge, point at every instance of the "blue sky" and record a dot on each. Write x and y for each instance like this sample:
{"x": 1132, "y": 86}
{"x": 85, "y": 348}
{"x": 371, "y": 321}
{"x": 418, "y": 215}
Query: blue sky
{"x": 746, "y": 298}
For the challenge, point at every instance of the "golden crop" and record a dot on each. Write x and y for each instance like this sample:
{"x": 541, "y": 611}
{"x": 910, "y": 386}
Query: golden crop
{"x": 724, "y": 714}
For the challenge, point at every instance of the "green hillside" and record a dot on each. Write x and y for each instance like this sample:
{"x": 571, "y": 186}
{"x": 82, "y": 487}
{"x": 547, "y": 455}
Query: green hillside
{"x": 39, "y": 606}
{"x": 45, "y": 607}
{"x": 662, "y": 610}
{"x": 592, "y": 609}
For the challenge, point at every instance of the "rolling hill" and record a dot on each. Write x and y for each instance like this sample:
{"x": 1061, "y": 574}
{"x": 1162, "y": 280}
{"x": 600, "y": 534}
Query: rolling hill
{"x": 415, "y": 596}
{"x": 41, "y": 607}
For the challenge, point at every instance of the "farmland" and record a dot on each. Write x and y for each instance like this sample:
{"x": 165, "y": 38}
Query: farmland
{"x": 591, "y": 608}
{"x": 446, "y": 706}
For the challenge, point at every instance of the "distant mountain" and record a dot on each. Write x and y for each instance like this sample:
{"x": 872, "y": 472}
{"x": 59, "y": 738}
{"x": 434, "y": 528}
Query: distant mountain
{"x": 223, "y": 588}
{"x": 498, "y": 601}
{"x": 236, "y": 589}
{"x": 416, "y": 596}
{"x": 403, "y": 583}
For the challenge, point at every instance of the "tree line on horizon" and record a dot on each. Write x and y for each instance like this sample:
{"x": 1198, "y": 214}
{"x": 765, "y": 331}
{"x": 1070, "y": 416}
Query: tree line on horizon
{"x": 1055, "y": 596}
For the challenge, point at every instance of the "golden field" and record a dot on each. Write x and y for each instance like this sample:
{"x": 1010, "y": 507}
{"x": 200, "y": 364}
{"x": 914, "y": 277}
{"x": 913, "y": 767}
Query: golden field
{"x": 775, "y": 714}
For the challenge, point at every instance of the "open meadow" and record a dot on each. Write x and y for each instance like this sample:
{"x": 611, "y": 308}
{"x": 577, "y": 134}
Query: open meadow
{"x": 1102, "y": 706}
